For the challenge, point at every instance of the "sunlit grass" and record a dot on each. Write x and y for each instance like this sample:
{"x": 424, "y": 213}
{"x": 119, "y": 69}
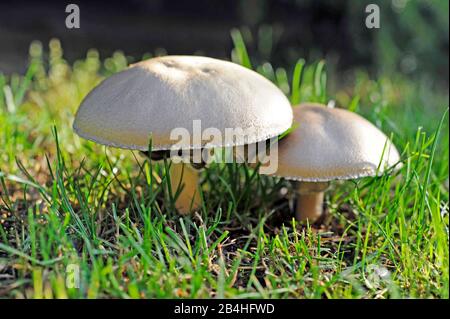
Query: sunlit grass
{"x": 66, "y": 202}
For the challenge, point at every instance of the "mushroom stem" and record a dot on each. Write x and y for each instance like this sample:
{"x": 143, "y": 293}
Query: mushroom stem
{"x": 310, "y": 201}
{"x": 186, "y": 179}
{"x": 309, "y": 206}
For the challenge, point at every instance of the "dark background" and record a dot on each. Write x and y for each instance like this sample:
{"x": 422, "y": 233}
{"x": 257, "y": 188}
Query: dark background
{"x": 413, "y": 38}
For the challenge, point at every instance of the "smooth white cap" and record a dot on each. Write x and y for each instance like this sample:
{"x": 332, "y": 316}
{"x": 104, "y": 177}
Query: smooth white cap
{"x": 328, "y": 143}
{"x": 155, "y": 96}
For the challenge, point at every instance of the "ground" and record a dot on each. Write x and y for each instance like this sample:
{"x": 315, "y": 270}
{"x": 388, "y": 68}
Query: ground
{"x": 80, "y": 220}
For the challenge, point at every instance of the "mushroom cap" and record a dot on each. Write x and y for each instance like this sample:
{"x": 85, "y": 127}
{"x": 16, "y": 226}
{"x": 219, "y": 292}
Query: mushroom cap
{"x": 153, "y": 97}
{"x": 328, "y": 144}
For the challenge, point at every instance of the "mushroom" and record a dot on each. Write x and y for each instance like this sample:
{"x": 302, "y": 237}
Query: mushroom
{"x": 169, "y": 98}
{"x": 329, "y": 144}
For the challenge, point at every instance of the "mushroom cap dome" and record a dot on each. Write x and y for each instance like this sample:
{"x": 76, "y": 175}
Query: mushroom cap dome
{"x": 156, "y": 96}
{"x": 328, "y": 144}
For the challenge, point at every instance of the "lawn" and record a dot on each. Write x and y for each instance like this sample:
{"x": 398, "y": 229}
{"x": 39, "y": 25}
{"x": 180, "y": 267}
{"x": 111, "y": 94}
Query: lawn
{"x": 79, "y": 220}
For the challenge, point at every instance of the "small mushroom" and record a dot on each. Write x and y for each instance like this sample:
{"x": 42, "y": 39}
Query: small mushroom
{"x": 329, "y": 144}
{"x": 157, "y": 97}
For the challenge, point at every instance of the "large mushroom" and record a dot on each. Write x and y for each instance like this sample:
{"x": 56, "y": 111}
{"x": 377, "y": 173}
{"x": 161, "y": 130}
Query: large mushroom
{"x": 163, "y": 97}
{"x": 329, "y": 144}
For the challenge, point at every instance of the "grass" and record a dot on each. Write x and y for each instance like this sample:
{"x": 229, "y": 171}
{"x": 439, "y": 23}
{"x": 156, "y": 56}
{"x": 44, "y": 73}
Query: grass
{"x": 73, "y": 212}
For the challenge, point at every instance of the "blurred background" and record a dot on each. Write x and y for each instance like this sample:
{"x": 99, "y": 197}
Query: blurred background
{"x": 412, "y": 40}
